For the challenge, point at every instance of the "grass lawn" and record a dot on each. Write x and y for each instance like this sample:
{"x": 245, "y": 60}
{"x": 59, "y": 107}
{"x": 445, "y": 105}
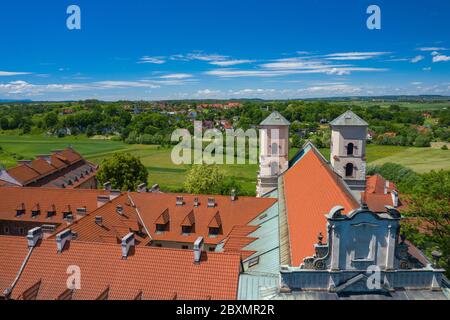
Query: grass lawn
{"x": 171, "y": 177}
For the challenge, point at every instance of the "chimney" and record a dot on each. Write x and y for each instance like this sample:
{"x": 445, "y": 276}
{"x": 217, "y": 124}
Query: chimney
{"x": 114, "y": 194}
{"x": 394, "y": 195}
{"x": 99, "y": 220}
{"x": 233, "y": 195}
{"x": 211, "y": 202}
{"x": 198, "y": 248}
{"x": 155, "y": 188}
{"x": 142, "y": 187}
{"x": 386, "y": 187}
{"x": 82, "y": 211}
{"x": 107, "y": 186}
{"x": 33, "y": 236}
{"x": 119, "y": 209}
{"x": 180, "y": 201}
{"x": 196, "y": 202}
{"x": 127, "y": 244}
{"x": 62, "y": 238}
{"x": 101, "y": 200}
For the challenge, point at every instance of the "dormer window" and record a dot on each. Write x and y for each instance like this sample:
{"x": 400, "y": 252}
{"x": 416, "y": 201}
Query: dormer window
{"x": 36, "y": 210}
{"x": 67, "y": 213}
{"x": 161, "y": 228}
{"x": 163, "y": 221}
{"x": 20, "y": 210}
{"x": 186, "y": 230}
{"x": 215, "y": 225}
{"x": 51, "y": 211}
{"x": 214, "y": 231}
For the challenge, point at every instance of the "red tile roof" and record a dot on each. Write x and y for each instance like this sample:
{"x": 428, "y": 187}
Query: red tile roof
{"x": 225, "y": 214}
{"x": 375, "y": 196}
{"x": 147, "y": 273}
{"x": 114, "y": 226}
{"x": 54, "y": 170}
{"x": 311, "y": 189}
{"x": 12, "y": 253}
{"x": 13, "y": 198}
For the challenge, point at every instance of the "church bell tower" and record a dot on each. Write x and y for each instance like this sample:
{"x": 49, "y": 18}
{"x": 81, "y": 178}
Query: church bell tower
{"x": 348, "y": 150}
{"x": 273, "y": 152}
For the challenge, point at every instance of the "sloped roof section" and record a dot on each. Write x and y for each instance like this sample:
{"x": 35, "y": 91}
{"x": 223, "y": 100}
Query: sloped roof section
{"x": 275, "y": 119}
{"x": 311, "y": 189}
{"x": 349, "y": 118}
{"x": 150, "y": 273}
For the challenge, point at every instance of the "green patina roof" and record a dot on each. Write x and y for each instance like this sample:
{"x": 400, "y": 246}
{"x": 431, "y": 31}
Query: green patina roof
{"x": 275, "y": 119}
{"x": 348, "y": 118}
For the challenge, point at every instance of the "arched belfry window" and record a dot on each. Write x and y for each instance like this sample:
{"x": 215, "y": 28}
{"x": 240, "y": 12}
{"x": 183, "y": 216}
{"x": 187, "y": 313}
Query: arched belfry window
{"x": 350, "y": 148}
{"x": 349, "y": 170}
{"x": 274, "y": 148}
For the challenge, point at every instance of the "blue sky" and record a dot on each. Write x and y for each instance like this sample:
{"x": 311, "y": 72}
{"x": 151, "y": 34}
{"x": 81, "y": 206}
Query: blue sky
{"x": 222, "y": 49}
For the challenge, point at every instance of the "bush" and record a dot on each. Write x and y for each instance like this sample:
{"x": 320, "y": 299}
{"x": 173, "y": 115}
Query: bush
{"x": 422, "y": 141}
{"x": 444, "y": 147}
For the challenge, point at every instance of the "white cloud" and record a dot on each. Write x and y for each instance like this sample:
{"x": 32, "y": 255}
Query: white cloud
{"x": 354, "y": 55}
{"x": 417, "y": 59}
{"x": 227, "y": 63}
{"x": 23, "y": 87}
{"x": 109, "y": 84}
{"x": 152, "y": 60}
{"x": 431, "y": 49}
{"x": 206, "y": 57}
{"x": 441, "y": 58}
{"x": 177, "y": 76}
{"x": 435, "y": 53}
{"x": 426, "y": 69}
{"x": 9, "y": 73}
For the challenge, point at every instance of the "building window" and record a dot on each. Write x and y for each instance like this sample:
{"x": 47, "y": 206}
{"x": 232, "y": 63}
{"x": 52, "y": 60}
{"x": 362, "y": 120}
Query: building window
{"x": 274, "y": 149}
{"x": 213, "y": 232}
{"x": 349, "y": 170}
{"x": 186, "y": 230}
{"x": 274, "y": 168}
{"x": 184, "y": 247}
{"x": 21, "y": 230}
{"x": 212, "y": 249}
{"x": 160, "y": 228}
{"x": 6, "y": 230}
{"x": 253, "y": 262}
{"x": 159, "y": 245}
{"x": 350, "y": 148}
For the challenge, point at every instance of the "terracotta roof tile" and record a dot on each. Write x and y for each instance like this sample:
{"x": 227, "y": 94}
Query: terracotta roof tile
{"x": 12, "y": 253}
{"x": 226, "y": 213}
{"x": 152, "y": 273}
{"x": 311, "y": 190}
{"x": 14, "y": 198}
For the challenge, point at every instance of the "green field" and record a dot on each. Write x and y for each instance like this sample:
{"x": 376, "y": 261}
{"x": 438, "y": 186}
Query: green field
{"x": 414, "y": 105}
{"x": 170, "y": 176}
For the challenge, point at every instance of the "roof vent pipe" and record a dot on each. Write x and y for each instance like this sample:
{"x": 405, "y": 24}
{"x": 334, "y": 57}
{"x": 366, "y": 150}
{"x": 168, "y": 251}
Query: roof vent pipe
{"x": 62, "y": 238}
{"x": 198, "y": 248}
{"x": 33, "y": 236}
{"x": 127, "y": 244}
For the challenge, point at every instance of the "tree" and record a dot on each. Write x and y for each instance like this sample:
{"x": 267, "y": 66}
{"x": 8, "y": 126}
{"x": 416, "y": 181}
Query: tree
{"x": 123, "y": 170}
{"x": 4, "y": 123}
{"x": 429, "y": 208}
{"x": 204, "y": 179}
{"x": 50, "y": 120}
